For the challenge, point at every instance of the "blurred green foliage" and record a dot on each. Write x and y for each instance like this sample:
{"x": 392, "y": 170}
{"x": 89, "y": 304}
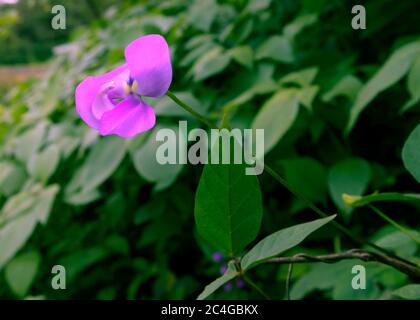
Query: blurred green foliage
{"x": 337, "y": 106}
{"x": 25, "y": 27}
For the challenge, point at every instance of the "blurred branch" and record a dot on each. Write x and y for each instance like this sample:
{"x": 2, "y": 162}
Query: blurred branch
{"x": 403, "y": 266}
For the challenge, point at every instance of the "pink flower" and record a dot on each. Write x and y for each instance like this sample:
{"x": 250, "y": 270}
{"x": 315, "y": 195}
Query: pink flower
{"x": 111, "y": 103}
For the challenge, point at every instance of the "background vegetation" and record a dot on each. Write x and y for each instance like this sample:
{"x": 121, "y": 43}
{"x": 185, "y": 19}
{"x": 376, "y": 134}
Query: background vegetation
{"x": 340, "y": 112}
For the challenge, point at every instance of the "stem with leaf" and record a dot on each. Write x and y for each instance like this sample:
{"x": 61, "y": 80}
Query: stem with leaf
{"x": 388, "y": 259}
{"x": 279, "y": 179}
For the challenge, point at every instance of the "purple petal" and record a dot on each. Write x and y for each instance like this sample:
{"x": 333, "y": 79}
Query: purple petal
{"x": 129, "y": 117}
{"x": 101, "y": 103}
{"x": 149, "y": 61}
{"x": 87, "y": 92}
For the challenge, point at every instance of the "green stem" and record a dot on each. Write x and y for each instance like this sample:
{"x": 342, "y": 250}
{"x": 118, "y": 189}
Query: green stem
{"x": 289, "y": 280}
{"x": 282, "y": 181}
{"x": 394, "y": 223}
{"x": 321, "y": 213}
{"x": 191, "y": 110}
{"x": 256, "y": 287}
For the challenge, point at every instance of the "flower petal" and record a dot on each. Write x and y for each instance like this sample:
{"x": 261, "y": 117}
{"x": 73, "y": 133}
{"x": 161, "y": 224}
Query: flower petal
{"x": 87, "y": 92}
{"x": 149, "y": 61}
{"x": 129, "y": 117}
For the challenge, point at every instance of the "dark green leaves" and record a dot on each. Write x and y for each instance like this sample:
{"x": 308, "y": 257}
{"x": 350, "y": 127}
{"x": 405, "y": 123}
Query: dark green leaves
{"x": 281, "y": 241}
{"x": 413, "y": 85}
{"x": 228, "y": 207}
{"x": 411, "y": 153}
{"x": 146, "y": 164}
{"x": 308, "y": 176}
{"x": 19, "y": 216}
{"x": 271, "y": 246}
{"x": 276, "y": 117}
{"x": 393, "y": 70}
{"x": 277, "y": 48}
{"x": 211, "y": 63}
{"x": 202, "y": 13}
{"x": 409, "y": 292}
{"x": 21, "y": 271}
{"x": 243, "y": 55}
{"x": 350, "y": 176}
{"x": 102, "y": 161}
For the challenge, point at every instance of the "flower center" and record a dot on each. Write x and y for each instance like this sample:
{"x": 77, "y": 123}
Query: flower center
{"x": 130, "y": 86}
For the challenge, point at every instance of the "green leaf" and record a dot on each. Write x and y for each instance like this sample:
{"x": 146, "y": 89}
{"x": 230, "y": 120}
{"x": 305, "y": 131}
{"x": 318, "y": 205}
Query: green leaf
{"x": 29, "y": 142}
{"x": 411, "y": 154}
{"x": 261, "y": 87}
{"x": 413, "y": 85}
{"x": 19, "y": 216}
{"x": 255, "y": 6}
{"x": 77, "y": 261}
{"x": 336, "y": 278}
{"x": 82, "y": 197}
{"x": 401, "y": 244}
{"x": 349, "y": 86}
{"x": 202, "y": 14}
{"x": 277, "y": 48}
{"x": 358, "y": 201}
{"x": 409, "y": 292}
{"x": 308, "y": 176}
{"x": 197, "y": 53}
{"x": 391, "y": 72}
{"x": 210, "y": 64}
{"x": 20, "y": 272}
{"x": 12, "y": 177}
{"x": 43, "y": 164}
{"x": 104, "y": 158}
{"x": 276, "y": 117}
{"x": 280, "y": 241}
{"x": 228, "y": 207}
{"x": 146, "y": 164}
{"x": 303, "y": 78}
{"x": 216, "y": 284}
{"x": 348, "y": 176}
{"x": 307, "y": 95}
{"x": 298, "y": 24}
{"x": 243, "y": 55}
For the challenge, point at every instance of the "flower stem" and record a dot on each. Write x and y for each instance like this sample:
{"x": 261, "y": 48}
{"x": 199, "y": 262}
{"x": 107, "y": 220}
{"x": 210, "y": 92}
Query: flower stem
{"x": 256, "y": 287}
{"x": 321, "y": 213}
{"x": 395, "y": 224}
{"x": 190, "y": 110}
